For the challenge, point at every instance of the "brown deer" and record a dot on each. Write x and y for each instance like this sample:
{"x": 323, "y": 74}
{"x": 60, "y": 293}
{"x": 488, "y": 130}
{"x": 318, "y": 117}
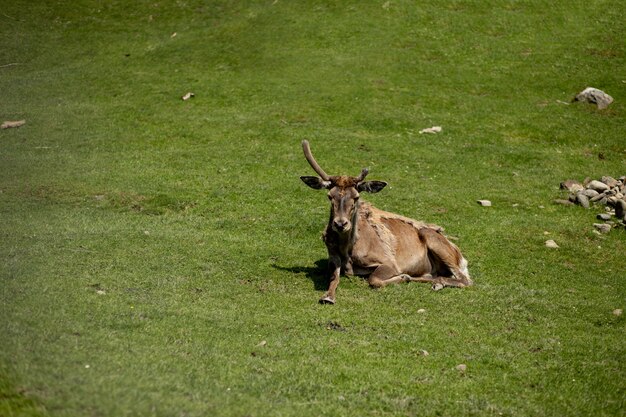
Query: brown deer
{"x": 387, "y": 248}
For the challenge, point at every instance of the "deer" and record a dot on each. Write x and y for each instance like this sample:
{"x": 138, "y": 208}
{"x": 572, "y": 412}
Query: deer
{"x": 384, "y": 247}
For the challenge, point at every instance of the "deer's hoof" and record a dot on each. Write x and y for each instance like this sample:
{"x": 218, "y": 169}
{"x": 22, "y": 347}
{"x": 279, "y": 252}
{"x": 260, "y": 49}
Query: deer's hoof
{"x": 437, "y": 286}
{"x": 327, "y": 300}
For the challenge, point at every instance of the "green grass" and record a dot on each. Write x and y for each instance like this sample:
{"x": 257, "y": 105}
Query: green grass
{"x": 160, "y": 257}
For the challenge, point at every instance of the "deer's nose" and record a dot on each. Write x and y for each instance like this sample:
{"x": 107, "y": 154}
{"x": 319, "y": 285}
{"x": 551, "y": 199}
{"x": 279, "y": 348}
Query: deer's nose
{"x": 341, "y": 224}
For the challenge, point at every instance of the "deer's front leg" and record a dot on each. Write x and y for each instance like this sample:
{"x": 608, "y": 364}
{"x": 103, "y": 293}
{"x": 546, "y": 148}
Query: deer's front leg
{"x": 334, "y": 267}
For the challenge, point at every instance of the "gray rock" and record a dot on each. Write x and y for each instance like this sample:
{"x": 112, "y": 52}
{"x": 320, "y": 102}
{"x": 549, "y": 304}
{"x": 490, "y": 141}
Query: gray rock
{"x": 619, "y": 206}
{"x": 598, "y": 197}
{"x": 582, "y": 200}
{"x": 602, "y": 227}
{"x": 604, "y": 216}
{"x": 563, "y": 202}
{"x": 484, "y": 203}
{"x": 572, "y": 186}
{"x": 610, "y": 181}
{"x": 594, "y": 96}
{"x": 590, "y": 193}
{"x": 599, "y": 186}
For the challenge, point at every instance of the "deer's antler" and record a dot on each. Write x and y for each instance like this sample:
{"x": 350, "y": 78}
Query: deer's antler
{"x": 363, "y": 174}
{"x": 312, "y": 161}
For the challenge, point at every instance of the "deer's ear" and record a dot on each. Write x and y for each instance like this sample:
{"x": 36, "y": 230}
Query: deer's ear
{"x": 315, "y": 182}
{"x": 371, "y": 186}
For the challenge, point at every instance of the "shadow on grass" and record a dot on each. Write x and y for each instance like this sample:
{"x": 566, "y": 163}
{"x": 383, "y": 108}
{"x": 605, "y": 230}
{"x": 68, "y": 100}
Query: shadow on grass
{"x": 318, "y": 273}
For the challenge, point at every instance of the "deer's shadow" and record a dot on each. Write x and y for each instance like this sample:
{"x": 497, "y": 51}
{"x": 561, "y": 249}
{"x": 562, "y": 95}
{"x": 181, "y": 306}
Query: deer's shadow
{"x": 318, "y": 274}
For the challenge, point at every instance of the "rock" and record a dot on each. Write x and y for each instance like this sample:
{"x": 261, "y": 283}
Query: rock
{"x": 598, "y": 197}
{"x": 484, "y": 203}
{"x": 461, "y": 367}
{"x": 582, "y": 200}
{"x": 619, "y": 206}
{"x": 572, "y": 186}
{"x": 434, "y": 129}
{"x": 424, "y": 352}
{"x": 617, "y": 312}
{"x": 602, "y": 228}
{"x": 594, "y": 96}
{"x": 551, "y": 244}
{"x": 604, "y": 216}
{"x": 590, "y": 193}
{"x": 421, "y": 311}
{"x": 9, "y": 124}
{"x": 610, "y": 181}
{"x": 563, "y": 202}
{"x": 599, "y": 186}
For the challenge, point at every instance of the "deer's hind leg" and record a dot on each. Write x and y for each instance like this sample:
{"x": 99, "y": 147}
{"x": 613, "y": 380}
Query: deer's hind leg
{"x": 446, "y": 257}
{"x": 384, "y": 275}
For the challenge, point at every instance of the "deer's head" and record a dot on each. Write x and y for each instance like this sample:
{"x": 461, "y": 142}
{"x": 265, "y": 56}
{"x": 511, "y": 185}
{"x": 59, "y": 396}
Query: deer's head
{"x": 343, "y": 191}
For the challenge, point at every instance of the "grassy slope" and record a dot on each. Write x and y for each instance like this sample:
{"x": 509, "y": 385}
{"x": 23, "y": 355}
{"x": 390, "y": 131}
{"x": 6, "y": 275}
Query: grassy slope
{"x": 191, "y": 219}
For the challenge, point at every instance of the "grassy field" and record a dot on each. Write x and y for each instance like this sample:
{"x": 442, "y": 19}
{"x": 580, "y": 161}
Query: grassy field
{"x": 160, "y": 257}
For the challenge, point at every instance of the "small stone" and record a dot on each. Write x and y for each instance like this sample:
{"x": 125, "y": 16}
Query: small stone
{"x": 582, "y": 200}
{"x": 589, "y": 193}
{"x": 594, "y": 96}
{"x": 610, "y": 181}
{"x": 551, "y": 244}
{"x": 604, "y": 216}
{"x": 572, "y": 186}
{"x": 563, "y": 202}
{"x": 597, "y": 198}
{"x": 188, "y": 96}
{"x": 434, "y": 129}
{"x": 424, "y": 352}
{"x": 617, "y": 312}
{"x": 100, "y": 292}
{"x": 461, "y": 367}
{"x": 620, "y": 207}
{"x": 602, "y": 227}
{"x": 484, "y": 203}
{"x": 598, "y": 186}
{"x": 262, "y": 343}
{"x": 9, "y": 124}
{"x": 421, "y": 311}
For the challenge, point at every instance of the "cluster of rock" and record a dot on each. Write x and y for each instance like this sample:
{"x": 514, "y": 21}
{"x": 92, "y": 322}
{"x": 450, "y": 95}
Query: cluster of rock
{"x": 607, "y": 191}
